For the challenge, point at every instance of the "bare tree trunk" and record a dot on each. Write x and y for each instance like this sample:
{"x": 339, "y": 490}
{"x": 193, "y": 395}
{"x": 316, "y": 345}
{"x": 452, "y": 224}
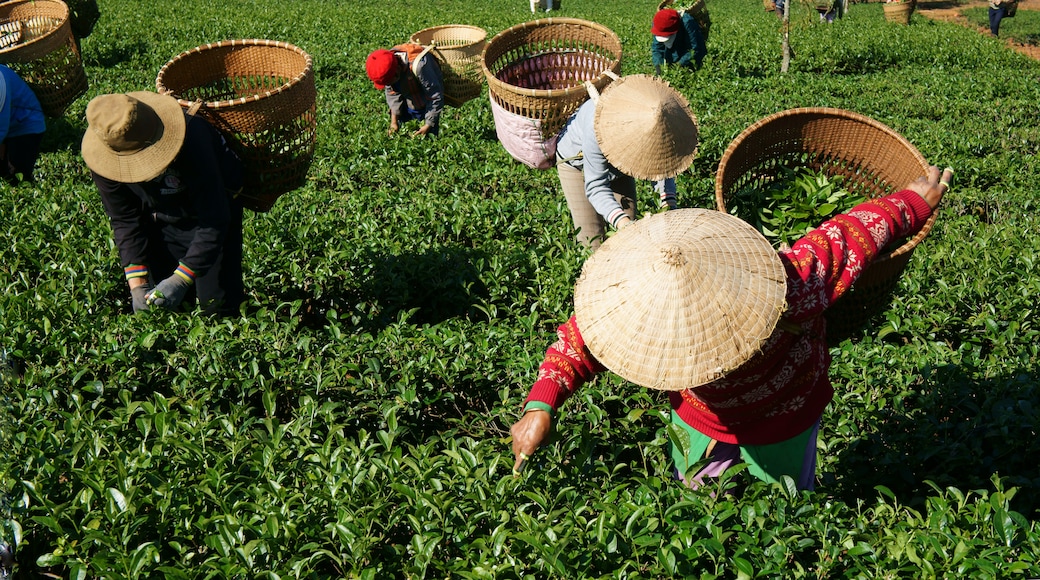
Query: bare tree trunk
{"x": 786, "y": 28}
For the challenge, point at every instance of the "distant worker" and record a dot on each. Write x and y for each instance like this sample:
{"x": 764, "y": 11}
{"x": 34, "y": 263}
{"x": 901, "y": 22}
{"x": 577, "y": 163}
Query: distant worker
{"x": 999, "y": 10}
{"x": 21, "y": 128}
{"x": 678, "y": 38}
{"x": 414, "y": 86}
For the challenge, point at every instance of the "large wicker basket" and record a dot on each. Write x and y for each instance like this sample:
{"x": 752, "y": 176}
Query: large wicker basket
{"x": 261, "y": 94}
{"x": 899, "y": 12}
{"x": 36, "y": 42}
{"x": 538, "y": 69}
{"x": 873, "y": 161}
{"x": 458, "y": 48}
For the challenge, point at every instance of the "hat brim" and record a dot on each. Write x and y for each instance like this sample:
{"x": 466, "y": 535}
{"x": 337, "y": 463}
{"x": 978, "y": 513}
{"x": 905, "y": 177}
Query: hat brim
{"x": 680, "y": 298}
{"x": 147, "y": 163}
{"x": 645, "y": 128}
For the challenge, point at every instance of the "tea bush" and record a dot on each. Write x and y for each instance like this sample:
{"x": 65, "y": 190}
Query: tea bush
{"x": 353, "y": 420}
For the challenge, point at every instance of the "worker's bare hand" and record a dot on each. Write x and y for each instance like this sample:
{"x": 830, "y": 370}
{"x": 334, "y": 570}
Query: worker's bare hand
{"x": 932, "y": 187}
{"x": 529, "y": 433}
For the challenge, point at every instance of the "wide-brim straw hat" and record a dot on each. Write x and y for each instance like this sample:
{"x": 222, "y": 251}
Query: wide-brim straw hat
{"x": 132, "y": 137}
{"x": 645, "y": 128}
{"x": 680, "y": 298}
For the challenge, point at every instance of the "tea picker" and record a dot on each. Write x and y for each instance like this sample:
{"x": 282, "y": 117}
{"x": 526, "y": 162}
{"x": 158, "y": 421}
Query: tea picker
{"x": 679, "y": 37}
{"x": 639, "y": 128}
{"x": 697, "y": 303}
{"x": 169, "y": 184}
{"x": 22, "y": 125}
{"x": 411, "y": 80}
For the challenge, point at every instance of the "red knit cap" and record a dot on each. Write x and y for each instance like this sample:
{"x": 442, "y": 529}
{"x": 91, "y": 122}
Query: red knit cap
{"x": 666, "y": 23}
{"x": 381, "y": 67}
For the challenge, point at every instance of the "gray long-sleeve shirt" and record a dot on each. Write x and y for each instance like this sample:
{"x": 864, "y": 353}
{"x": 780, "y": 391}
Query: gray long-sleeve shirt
{"x": 401, "y": 97}
{"x": 579, "y": 137}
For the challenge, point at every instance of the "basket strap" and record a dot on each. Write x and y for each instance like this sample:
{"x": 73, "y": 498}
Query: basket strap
{"x": 415, "y": 61}
{"x": 194, "y": 108}
{"x": 593, "y": 91}
{"x": 591, "y": 88}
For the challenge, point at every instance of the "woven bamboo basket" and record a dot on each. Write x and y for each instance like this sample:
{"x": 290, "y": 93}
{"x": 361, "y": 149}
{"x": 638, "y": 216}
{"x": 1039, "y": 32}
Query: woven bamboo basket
{"x": 36, "y": 42}
{"x": 873, "y": 161}
{"x": 899, "y": 12}
{"x": 699, "y": 11}
{"x": 261, "y": 94}
{"x": 538, "y": 69}
{"x": 458, "y": 48}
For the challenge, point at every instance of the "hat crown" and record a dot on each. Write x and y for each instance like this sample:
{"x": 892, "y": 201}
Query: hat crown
{"x": 680, "y": 298}
{"x": 666, "y": 22}
{"x": 124, "y": 124}
{"x": 645, "y": 128}
{"x": 673, "y": 256}
{"x": 381, "y": 67}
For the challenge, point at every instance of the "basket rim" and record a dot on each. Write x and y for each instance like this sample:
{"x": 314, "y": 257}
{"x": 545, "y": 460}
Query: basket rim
{"x": 65, "y": 16}
{"x": 546, "y": 93}
{"x": 223, "y": 104}
{"x": 483, "y": 38}
{"x": 909, "y": 244}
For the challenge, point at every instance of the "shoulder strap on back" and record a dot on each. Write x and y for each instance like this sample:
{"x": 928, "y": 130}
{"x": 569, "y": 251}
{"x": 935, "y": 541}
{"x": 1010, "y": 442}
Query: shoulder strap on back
{"x": 415, "y": 61}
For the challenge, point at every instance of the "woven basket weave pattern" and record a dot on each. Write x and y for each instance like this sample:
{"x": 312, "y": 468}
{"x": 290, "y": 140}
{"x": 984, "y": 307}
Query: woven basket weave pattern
{"x": 458, "y": 48}
{"x": 261, "y": 94}
{"x": 873, "y": 161}
{"x": 898, "y": 12}
{"x": 37, "y": 43}
{"x": 537, "y": 69}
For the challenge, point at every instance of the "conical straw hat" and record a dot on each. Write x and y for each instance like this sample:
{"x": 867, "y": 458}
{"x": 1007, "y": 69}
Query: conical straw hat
{"x": 680, "y": 298}
{"x": 645, "y": 128}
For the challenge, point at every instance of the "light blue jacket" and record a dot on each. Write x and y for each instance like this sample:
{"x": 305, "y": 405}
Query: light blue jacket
{"x": 579, "y": 137}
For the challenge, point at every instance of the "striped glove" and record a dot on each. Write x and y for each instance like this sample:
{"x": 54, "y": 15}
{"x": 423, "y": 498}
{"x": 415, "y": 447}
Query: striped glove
{"x": 139, "y": 293}
{"x": 170, "y": 292}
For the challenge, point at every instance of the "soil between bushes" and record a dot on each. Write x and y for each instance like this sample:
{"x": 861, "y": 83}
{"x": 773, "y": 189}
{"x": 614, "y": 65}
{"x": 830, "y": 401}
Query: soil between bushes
{"x": 950, "y": 11}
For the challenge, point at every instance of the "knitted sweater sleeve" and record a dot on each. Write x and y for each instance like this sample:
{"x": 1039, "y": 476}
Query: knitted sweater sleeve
{"x": 823, "y": 265}
{"x": 568, "y": 365}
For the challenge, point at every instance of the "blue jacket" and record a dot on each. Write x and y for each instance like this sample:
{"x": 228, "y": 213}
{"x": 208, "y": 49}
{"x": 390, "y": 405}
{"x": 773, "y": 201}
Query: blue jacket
{"x": 20, "y": 111}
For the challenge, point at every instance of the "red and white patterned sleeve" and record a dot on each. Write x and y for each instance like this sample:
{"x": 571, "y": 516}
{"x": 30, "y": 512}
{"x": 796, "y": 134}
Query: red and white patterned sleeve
{"x": 568, "y": 365}
{"x": 823, "y": 265}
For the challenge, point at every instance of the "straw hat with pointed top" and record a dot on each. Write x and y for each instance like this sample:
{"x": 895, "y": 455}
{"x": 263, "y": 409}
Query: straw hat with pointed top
{"x": 680, "y": 298}
{"x": 645, "y": 128}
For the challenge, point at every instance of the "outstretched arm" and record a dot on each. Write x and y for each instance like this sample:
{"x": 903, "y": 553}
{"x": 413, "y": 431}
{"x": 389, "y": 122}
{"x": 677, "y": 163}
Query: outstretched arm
{"x": 567, "y": 366}
{"x": 823, "y": 265}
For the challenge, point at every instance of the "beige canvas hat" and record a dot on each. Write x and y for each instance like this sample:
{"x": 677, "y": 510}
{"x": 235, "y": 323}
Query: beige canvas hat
{"x": 680, "y": 298}
{"x": 645, "y": 128}
{"x": 132, "y": 137}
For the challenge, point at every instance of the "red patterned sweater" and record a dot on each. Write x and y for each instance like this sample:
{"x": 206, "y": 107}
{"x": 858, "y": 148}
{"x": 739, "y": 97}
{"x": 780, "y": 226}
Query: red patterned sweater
{"x": 781, "y": 391}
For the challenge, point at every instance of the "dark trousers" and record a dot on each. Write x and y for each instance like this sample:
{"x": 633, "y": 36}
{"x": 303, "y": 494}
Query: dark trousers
{"x": 20, "y": 156}
{"x": 218, "y": 291}
{"x": 995, "y": 16}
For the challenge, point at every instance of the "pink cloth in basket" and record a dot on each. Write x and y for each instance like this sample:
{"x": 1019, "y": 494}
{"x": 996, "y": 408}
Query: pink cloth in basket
{"x": 522, "y": 138}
